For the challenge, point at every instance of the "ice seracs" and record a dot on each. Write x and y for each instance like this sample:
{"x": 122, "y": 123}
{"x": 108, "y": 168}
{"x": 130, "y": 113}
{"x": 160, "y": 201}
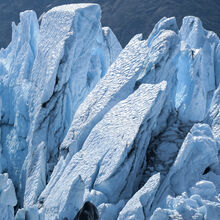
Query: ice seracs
{"x": 202, "y": 202}
{"x": 134, "y": 131}
{"x": 45, "y": 74}
{"x": 95, "y": 163}
{"x": 73, "y": 55}
{"x": 7, "y": 197}
{"x": 110, "y": 108}
{"x": 198, "y": 70}
{"x": 198, "y": 151}
{"x": 16, "y": 66}
{"x": 139, "y": 62}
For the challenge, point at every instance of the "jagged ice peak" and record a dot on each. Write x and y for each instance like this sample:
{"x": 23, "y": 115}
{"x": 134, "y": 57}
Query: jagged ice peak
{"x": 134, "y": 131}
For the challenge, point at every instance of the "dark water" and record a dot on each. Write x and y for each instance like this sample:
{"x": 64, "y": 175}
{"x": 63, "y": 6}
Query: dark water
{"x": 125, "y": 17}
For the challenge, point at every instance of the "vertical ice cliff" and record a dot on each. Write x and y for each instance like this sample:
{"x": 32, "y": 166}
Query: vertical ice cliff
{"x": 16, "y": 64}
{"x": 136, "y": 132}
{"x": 198, "y": 74}
{"x": 214, "y": 114}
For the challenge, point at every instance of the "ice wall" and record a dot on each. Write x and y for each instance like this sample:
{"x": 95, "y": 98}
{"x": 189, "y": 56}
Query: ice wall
{"x": 45, "y": 74}
{"x": 15, "y": 73}
{"x": 82, "y": 120}
{"x": 198, "y": 70}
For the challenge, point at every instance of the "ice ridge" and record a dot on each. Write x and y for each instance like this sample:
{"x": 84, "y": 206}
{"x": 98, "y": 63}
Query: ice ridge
{"x": 135, "y": 131}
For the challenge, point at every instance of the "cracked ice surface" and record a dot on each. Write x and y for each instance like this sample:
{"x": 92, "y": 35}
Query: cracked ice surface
{"x": 78, "y": 54}
{"x": 118, "y": 83}
{"x": 96, "y": 167}
{"x": 133, "y": 67}
{"x": 45, "y": 74}
{"x": 82, "y": 120}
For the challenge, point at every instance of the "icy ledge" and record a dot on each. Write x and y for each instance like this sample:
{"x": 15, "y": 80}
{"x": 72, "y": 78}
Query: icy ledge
{"x": 136, "y": 132}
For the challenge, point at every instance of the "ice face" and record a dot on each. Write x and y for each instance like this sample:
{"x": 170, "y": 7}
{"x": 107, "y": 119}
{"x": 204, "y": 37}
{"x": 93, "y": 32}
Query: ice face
{"x": 82, "y": 120}
{"x": 45, "y": 74}
{"x": 214, "y": 114}
{"x": 78, "y": 54}
{"x": 197, "y": 70}
{"x": 7, "y": 197}
{"x": 36, "y": 175}
{"x": 17, "y": 62}
{"x": 101, "y": 172}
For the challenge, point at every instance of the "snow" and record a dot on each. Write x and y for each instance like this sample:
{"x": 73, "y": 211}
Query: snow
{"x": 134, "y": 131}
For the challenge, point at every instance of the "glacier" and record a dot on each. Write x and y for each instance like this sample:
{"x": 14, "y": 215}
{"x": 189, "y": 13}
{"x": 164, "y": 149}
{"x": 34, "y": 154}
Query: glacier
{"x": 134, "y": 130}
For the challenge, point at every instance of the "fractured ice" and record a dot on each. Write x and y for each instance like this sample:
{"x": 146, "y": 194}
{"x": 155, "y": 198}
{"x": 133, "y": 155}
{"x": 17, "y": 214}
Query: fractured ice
{"x": 135, "y": 131}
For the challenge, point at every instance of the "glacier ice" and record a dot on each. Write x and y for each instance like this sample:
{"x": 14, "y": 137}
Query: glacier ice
{"x": 36, "y": 175}
{"x": 214, "y": 114}
{"x": 198, "y": 151}
{"x": 197, "y": 74}
{"x": 76, "y": 49}
{"x": 109, "y": 102}
{"x": 136, "y": 131}
{"x": 7, "y": 197}
{"x": 48, "y": 57}
{"x": 138, "y": 206}
{"x": 133, "y": 67}
{"x": 202, "y": 202}
{"x": 96, "y": 167}
{"x": 16, "y": 62}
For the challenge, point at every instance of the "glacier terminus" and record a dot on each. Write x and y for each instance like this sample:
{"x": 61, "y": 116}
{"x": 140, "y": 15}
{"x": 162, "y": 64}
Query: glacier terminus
{"x": 134, "y": 131}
